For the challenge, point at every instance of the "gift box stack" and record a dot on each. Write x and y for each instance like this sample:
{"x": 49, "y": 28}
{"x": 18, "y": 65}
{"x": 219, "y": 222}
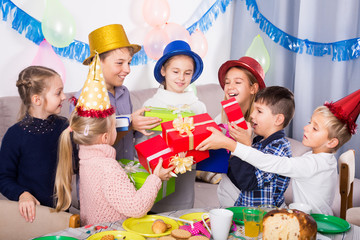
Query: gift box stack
{"x": 177, "y": 143}
{"x": 138, "y": 174}
{"x": 219, "y": 159}
{"x": 168, "y": 114}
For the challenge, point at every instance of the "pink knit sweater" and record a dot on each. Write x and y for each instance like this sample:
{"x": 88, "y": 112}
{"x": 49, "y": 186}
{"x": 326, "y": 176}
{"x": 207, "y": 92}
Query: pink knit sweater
{"x": 106, "y": 193}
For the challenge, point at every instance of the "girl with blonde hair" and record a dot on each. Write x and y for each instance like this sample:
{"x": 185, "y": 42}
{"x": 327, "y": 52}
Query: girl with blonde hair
{"x": 106, "y": 193}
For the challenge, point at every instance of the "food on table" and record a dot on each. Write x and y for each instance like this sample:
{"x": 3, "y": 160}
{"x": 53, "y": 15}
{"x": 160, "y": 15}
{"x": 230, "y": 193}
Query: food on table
{"x": 180, "y": 234}
{"x": 167, "y": 238}
{"x": 198, "y": 238}
{"x": 288, "y": 224}
{"x": 159, "y": 226}
{"x": 108, "y": 237}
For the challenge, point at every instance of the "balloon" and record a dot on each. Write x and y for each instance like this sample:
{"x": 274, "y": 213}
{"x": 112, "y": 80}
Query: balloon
{"x": 258, "y": 51}
{"x": 199, "y": 43}
{"x": 156, "y": 12}
{"x": 46, "y": 57}
{"x": 58, "y": 25}
{"x": 138, "y": 34}
{"x": 177, "y": 32}
{"x": 155, "y": 42}
{"x": 191, "y": 88}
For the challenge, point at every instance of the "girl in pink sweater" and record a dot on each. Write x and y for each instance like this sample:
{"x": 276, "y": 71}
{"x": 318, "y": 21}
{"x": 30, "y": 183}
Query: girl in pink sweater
{"x": 105, "y": 191}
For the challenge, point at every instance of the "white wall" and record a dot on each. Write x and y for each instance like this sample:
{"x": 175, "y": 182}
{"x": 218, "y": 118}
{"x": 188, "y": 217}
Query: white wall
{"x": 17, "y": 52}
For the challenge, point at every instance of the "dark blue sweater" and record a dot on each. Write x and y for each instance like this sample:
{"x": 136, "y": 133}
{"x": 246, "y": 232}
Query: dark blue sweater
{"x": 28, "y": 158}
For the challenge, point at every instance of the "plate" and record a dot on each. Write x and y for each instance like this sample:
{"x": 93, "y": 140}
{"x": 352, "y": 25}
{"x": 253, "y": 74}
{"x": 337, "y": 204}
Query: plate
{"x": 330, "y": 224}
{"x": 238, "y": 214}
{"x": 196, "y": 217}
{"x": 143, "y": 225}
{"x": 55, "y": 238}
{"x": 117, "y": 235}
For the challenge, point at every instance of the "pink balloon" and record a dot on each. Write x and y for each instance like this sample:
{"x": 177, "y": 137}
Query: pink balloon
{"x": 177, "y": 32}
{"x": 46, "y": 57}
{"x": 156, "y": 12}
{"x": 155, "y": 42}
{"x": 199, "y": 43}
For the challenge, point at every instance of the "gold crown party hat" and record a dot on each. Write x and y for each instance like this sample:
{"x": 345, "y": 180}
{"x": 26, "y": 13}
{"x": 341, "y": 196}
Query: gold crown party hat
{"x": 94, "y": 99}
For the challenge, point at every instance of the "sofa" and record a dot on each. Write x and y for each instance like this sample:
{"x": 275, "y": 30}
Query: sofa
{"x": 211, "y": 95}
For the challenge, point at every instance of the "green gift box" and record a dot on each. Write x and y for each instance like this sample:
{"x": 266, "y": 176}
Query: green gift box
{"x": 168, "y": 114}
{"x": 138, "y": 174}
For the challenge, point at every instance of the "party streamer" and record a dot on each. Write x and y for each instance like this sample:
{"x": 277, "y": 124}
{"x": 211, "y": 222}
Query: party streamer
{"x": 79, "y": 51}
{"x": 341, "y": 51}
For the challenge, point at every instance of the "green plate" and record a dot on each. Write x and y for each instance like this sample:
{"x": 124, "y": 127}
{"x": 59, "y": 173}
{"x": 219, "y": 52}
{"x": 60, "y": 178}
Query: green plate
{"x": 330, "y": 224}
{"x": 238, "y": 214}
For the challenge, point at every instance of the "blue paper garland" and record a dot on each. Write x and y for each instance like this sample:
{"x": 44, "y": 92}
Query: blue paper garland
{"x": 341, "y": 51}
{"x": 79, "y": 51}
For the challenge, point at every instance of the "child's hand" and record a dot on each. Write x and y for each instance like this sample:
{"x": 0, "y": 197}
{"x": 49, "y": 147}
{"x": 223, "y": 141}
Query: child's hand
{"x": 141, "y": 123}
{"x": 241, "y": 135}
{"x": 27, "y": 206}
{"x": 163, "y": 173}
{"x": 216, "y": 140}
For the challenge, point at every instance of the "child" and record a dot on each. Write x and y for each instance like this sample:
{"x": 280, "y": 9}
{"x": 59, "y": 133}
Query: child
{"x": 273, "y": 110}
{"x": 241, "y": 79}
{"x": 315, "y": 173}
{"x": 176, "y": 70}
{"x": 116, "y": 54}
{"x": 106, "y": 193}
{"x": 29, "y": 148}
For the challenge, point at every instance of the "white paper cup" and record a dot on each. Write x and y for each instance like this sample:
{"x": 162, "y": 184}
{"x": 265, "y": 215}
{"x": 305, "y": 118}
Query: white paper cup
{"x": 306, "y": 208}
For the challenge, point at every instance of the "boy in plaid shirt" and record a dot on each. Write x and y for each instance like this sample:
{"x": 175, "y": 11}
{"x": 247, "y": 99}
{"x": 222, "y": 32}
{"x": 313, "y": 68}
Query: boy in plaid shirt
{"x": 273, "y": 110}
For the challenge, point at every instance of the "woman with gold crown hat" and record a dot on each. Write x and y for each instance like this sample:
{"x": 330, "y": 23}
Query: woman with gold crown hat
{"x": 115, "y": 52}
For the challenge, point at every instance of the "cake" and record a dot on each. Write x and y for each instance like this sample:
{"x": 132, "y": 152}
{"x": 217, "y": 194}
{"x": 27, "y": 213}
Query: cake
{"x": 288, "y": 224}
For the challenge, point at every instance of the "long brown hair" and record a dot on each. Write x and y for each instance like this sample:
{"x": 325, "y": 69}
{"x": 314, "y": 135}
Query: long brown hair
{"x": 83, "y": 131}
{"x": 32, "y": 80}
{"x": 252, "y": 81}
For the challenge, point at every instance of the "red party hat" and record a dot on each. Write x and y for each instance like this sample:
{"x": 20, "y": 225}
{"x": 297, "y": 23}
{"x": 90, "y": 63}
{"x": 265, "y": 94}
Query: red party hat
{"x": 347, "y": 109}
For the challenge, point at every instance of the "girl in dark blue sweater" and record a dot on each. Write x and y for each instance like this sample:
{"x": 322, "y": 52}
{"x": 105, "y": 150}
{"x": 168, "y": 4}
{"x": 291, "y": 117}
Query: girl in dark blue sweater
{"x": 28, "y": 154}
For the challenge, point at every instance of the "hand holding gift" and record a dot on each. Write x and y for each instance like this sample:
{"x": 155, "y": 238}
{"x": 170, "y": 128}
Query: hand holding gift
{"x": 234, "y": 113}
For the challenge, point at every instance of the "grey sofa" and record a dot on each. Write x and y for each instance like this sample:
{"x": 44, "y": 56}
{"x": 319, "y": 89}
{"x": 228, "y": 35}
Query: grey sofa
{"x": 211, "y": 95}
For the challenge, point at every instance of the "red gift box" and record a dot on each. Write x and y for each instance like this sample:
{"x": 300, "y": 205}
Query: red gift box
{"x": 150, "y": 151}
{"x": 181, "y": 142}
{"x": 234, "y": 113}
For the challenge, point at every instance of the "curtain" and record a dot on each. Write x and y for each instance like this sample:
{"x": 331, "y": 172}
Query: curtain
{"x": 313, "y": 79}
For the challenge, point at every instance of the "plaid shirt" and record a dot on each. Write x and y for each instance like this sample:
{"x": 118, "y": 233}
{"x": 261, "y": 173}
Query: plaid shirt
{"x": 270, "y": 187}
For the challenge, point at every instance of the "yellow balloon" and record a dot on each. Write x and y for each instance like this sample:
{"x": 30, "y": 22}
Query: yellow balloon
{"x": 258, "y": 51}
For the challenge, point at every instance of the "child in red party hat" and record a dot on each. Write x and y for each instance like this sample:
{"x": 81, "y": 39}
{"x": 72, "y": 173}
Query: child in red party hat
{"x": 315, "y": 173}
{"x": 106, "y": 193}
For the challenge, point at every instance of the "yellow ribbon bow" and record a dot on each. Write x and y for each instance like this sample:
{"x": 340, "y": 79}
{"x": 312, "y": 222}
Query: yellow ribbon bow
{"x": 184, "y": 125}
{"x": 182, "y": 163}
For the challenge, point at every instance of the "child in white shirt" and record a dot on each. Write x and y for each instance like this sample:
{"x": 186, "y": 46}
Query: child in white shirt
{"x": 175, "y": 71}
{"x": 315, "y": 173}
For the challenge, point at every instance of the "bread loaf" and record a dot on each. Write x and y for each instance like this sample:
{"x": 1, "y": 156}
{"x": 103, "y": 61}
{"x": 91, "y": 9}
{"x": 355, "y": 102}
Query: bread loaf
{"x": 288, "y": 224}
{"x": 159, "y": 226}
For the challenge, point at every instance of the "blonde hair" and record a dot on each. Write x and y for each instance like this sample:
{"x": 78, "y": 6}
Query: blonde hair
{"x": 252, "y": 81}
{"x": 32, "y": 80}
{"x": 83, "y": 131}
{"x": 335, "y": 128}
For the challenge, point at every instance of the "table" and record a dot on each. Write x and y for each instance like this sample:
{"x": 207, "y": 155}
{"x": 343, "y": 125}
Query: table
{"x": 84, "y": 233}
